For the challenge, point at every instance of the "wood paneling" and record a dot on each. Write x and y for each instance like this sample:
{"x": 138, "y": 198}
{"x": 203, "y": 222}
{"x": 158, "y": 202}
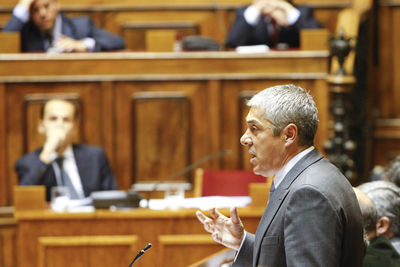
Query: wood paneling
{"x": 8, "y": 233}
{"x": 147, "y": 225}
{"x": 86, "y": 251}
{"x": 176, "y": 248}
{"x": 154, "y": 113}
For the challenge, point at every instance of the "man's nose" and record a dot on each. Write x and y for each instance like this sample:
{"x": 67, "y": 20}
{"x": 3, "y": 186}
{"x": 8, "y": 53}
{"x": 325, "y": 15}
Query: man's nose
{"x": 245, "y": 139}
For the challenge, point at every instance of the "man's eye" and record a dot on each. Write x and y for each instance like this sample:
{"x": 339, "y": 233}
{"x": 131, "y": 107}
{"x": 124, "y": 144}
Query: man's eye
{"x": 254, "y": 128}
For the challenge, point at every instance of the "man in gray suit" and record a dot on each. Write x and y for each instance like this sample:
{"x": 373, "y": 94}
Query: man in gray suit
{"x": 44, "y": 28}
{"x": 312, "y": 217}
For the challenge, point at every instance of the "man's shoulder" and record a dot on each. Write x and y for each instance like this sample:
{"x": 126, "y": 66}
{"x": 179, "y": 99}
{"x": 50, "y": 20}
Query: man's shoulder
{"x": 77, "y": 20}
{"x": 85, "y": 148}
{"x": 34, "y": 155}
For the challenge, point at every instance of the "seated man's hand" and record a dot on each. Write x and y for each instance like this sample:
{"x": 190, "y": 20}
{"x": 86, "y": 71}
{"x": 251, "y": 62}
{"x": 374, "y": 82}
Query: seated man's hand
{"x": 55, "y": 138}
{"x": 278, "y": 10}
{"x": 26, "y": 3}
{"x": 226, "y": 231}
{"x": 67, "y": 44}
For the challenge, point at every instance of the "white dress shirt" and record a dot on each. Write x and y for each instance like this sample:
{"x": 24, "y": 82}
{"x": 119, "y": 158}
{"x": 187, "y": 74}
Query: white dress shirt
{"x": 70, "y": 167}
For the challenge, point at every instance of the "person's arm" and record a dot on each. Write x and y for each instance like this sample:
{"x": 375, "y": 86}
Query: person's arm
{"x": 19, "y": 17}
{"x": 30, "y": 170}
{"x": 107, "y": 176}
{"x": 313, "y": 230}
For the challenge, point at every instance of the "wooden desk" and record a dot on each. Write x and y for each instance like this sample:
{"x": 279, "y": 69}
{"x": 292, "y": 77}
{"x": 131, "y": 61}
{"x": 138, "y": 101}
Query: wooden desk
{"x": 193, "y": 103}
{"x": 156, "y": 227}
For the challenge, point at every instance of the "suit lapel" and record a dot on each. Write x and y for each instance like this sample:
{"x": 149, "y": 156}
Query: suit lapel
{"x": 81, "y": 163}
{"x": 278, "y": 197}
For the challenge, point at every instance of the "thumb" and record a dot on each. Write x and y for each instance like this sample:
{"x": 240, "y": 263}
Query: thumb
{"x": 234, "y": 216}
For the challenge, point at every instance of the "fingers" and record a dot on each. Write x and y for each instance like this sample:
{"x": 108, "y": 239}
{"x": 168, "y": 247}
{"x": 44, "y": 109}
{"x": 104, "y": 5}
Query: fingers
{"x": 234, "y": 216}
{"x": 207, "y": 222}
{"x": 201, "y": 217}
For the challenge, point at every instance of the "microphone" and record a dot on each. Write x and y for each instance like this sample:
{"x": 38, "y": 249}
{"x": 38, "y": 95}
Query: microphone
{"x": 140, "y": 253}
{"x": 188, "y": 169}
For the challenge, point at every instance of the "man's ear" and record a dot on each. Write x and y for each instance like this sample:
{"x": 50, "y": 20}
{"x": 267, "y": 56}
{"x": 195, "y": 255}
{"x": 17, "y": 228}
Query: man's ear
{"x": 383, "y": 227}
{"x": 290, "y": 134}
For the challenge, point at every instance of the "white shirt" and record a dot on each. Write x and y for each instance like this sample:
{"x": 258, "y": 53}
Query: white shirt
{"x": 70, "y": 167}
{"x": 280, "y": 175}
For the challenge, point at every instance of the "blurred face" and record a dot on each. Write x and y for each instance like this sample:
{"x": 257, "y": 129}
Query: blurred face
{"x": 58, "y": 117}
{"x": 267, "y": 151}
{"x": 44, "y": 13}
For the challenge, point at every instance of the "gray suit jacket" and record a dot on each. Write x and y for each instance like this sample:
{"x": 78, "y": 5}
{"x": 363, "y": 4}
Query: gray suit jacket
{"x": 77, "y": 28}
{"x": 312, "y": 219}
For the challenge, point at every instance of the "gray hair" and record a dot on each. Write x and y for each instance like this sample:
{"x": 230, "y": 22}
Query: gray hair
{"x": 392, "y": 171}
{"x": 285, "y": 104}
{"x": 386, "y": 197}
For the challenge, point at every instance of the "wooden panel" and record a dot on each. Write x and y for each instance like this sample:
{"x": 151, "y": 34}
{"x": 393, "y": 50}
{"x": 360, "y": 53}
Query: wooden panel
{"x": 135, "y": 33}
{"x": 147, "y": 225}
{"x": 176, "y": 248}
{"x": 161, "y": 134}
{"x": 104, "y": 84}
{"x": 10, "y": 42}
{"x": 25, "y": 100}
{"x": 8, "y": 232}
{"x": 86, "y": 251}
{"x": 5, "y": 187}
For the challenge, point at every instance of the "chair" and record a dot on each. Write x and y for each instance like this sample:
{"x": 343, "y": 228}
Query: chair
{"x": 224, "y": 182}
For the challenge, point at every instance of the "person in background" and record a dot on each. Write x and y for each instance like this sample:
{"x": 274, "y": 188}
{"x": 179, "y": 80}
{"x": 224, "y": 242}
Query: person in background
{"x": 391, "y": 172}
{"x": 82, "y": 168}
{"x": 270, "y": 22}
{"x": 44, "y": 28}
{"x": 312, "y": 217}
{"x": 380, "y": 251}
{"x": 386, "y": 197}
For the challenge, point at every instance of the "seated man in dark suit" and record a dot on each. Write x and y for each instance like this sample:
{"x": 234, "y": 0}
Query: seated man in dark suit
{"x": 270, "y": 22}
{"x": 380, "y": 252}
{"x": 82, "y": 168}
{"x": 43, "y": 28}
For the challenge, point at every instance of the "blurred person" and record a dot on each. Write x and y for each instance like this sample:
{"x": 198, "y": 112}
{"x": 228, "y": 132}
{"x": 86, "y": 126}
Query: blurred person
{"x": 391, "y": 172}
{"x": 270, "y": 22}
{"x": 386, "y": 197}
{"x": 312, "y": 217}
{"x": 44, "y": 28}
{"x": 82, "y": 168}
{"x": 380, "y": 251}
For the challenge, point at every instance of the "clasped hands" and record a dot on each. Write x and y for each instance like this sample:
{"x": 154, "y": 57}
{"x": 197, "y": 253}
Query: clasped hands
{"x": 226, "y": 231}
{"x": 278, "y": 10}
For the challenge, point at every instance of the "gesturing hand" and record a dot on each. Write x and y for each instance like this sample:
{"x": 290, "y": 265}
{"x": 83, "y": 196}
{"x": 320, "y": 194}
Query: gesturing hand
{"x": 227, "y": 231}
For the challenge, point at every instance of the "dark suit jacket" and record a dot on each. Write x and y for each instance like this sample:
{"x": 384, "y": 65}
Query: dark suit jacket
{"x": 77, "y": 28}
{"x": 312, "y": 219}
{"x": 242, "y": 33}
{"x": 91, "y": 161}
{"x": 380, "y": 253}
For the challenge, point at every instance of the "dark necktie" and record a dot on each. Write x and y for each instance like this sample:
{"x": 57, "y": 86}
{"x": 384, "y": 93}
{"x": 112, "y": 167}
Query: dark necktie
{"x": 66, "y": 180}
{"x": 274, "y": 33}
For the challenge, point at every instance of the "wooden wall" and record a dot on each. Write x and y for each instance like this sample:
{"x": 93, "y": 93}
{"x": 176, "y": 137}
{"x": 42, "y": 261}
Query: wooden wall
{"x": 154, "y": 113}
{"x": 385, "y": 85}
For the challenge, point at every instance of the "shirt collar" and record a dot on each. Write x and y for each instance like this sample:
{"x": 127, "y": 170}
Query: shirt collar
{"x": 67, "y": 154}
{"x": 289, "y": 165}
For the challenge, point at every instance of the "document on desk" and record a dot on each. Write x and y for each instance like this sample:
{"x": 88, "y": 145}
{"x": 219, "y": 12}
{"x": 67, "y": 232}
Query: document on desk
{"x": 202, "y": 203}
{"x": 252, "y": 49}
